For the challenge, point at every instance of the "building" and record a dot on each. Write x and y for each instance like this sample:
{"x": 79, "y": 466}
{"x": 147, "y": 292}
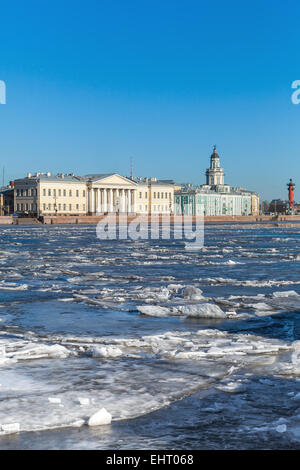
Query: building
{"x": 215, "y": 198}
{"x": 46, "y": 194}
{"x": 155, "y": 196}
{"x": 279, "y": 206}
{"x": 93, "y": 194}
{"x": 110, "y": 193}
{"x": 7, "y": 200}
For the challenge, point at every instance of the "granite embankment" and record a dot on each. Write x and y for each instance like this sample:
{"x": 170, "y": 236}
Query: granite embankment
{"x": 8, "y": 220}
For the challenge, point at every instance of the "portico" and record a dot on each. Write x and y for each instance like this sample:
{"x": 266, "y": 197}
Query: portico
{"x": 111, "y": 194}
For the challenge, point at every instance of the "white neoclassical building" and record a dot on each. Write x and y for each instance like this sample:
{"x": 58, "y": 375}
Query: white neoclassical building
{"x": 111, "y": 193}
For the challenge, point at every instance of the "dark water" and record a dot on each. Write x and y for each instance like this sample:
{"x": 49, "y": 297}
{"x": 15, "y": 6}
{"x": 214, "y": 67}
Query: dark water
{"x": 70, "y": 329}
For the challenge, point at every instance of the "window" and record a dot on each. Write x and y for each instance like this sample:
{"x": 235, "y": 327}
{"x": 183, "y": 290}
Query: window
{"x": 65, "y": 207}
{"x": 158, "y": 195}
{"x": 77, "y": 193}
{"x": 154, "y": 195}
{"x": 146, "y": 195}
{"x": 54, "y": 192}
{"x": 140, "y": 195}
{"x": 44, "y": 192}
{"x": 65, "y": 193}
{"x": 59, "y": 207}
{"x": 83, "y": 193}
{"x": 166, "y": 195}
{"x": 70, "y": 192}
{"x": 49, "y": 192}
{"x": 83, "y": 207}
{"x": 77, "y": 207}
{"x": 70, "y": 207}
{"x": 49, "y": 207}
{"x": 59, "y": 192}
{"x": 21, "y": 192}
{"x": 17, "y": 193}
{"x": 170, "y": 195}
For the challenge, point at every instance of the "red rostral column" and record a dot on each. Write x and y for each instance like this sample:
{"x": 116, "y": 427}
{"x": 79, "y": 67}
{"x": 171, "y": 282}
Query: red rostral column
{"x": 291, "y": 187}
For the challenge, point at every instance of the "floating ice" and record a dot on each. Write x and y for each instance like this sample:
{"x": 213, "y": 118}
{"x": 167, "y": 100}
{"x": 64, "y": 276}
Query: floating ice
{"x": 84, "y": 401}
{"x": 153, "y": 310}
{"x": 281, "y": 428}
{"x": 287, "y": 293}
{"x": 204, "y": 310}
{"x": 54, "y": 400}
{"x": 101, "y": 417}
{"x": 10, "y": 428}
{"x": 192, "y": 293}
{"x": 107, "y": 351}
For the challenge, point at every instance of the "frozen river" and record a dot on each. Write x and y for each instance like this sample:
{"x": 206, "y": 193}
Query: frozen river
{"x": 185, "y": 349}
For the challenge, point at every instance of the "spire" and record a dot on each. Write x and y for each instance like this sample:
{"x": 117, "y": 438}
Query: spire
{"x": 214, "y": 154}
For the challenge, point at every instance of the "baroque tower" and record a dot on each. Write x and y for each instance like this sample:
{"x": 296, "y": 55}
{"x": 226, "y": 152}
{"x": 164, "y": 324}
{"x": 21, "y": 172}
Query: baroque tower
{"x": 215, "y": 174}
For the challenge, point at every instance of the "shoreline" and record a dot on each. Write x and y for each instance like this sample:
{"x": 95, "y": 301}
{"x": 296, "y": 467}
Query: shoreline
{"x": 93, "y": 220}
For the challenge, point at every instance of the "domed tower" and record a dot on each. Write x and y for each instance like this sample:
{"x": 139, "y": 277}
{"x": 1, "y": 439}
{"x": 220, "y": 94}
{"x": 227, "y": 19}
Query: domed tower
{"x": 215, "y": 174}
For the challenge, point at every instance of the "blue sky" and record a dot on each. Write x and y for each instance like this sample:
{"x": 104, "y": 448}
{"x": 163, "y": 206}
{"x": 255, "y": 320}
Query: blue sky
{"x": 91, "y": 84}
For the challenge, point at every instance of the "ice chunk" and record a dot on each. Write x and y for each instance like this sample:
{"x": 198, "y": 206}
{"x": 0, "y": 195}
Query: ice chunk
{"x": 107, "y": 351}
{"x": 204, "y": 310}
{"x": 10, "y": 428}
{"x": 281, "y": 428}
{"x": 153, "y": 310}
{"x": 54, "y": 400}
{"x": 84, "y": 401}
{"x": 192, "y": 293}
{"x": 99, "y": 418}
{"x": 287, "y": 293}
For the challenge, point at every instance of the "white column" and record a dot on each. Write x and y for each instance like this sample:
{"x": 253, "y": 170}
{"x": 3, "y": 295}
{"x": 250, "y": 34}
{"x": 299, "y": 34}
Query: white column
{"x": 111, "y": 208}
{"x": 92, "y": 201}
{"x": 104, "y": 200}
{"x": 98, "y": 201}
{"x": 134, "y": 200}
{"x": 128, "y": 201}
{"x": 117, "y": 201}
{"x": 123, "y": 205}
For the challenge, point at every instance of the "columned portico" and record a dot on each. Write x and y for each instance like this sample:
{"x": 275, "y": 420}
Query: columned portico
{"x": 111, "y": 194}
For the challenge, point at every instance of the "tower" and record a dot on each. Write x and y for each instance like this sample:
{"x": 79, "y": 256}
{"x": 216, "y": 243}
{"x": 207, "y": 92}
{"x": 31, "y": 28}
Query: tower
{"x": 215, "y": 174}
{"x": 291, "y": 189}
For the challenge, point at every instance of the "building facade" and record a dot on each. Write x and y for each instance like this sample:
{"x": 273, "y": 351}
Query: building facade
{"x": 155, "y": 196}
{"x": 215, "y": 198}
{"x": 46, "y": 194}
{"x": 93, "y": 194}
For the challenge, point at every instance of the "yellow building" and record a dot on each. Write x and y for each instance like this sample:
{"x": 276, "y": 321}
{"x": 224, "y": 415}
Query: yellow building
{"x": 46, "y": 194}
{"x": 254, "y": 204}
{"x": 154, "y": 196}
{"x": 95, "y": 194}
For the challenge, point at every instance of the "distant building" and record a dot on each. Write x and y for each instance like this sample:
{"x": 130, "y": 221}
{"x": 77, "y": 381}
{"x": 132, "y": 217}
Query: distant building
{"x": 215, "y": 198}
{"x": 279, "y": 206}
{"x": 46, "y": 194}
{"x": 154, "y": 196}
{"x": 7, "y": 200}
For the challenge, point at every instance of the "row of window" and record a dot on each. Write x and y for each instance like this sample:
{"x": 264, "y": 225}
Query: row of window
{"x": 49, "y": 192}
{"x": 26, "y": 192}
{"x": 27, "y": 207}
{"x": 156, "y": 195}
{"x": 49, "y": 207}
{"x": 162, "y": 195}
{"x": 62, "y": 192}
{"x": 62, "y": 207}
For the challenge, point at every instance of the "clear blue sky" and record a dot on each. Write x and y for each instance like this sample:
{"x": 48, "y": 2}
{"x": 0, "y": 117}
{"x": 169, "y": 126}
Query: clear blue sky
{"x": 92, "y": 83}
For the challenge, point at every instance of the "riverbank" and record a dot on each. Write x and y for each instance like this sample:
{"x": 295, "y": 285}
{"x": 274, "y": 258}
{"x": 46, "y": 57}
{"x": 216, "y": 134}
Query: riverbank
{"x": 93, "y": 219}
